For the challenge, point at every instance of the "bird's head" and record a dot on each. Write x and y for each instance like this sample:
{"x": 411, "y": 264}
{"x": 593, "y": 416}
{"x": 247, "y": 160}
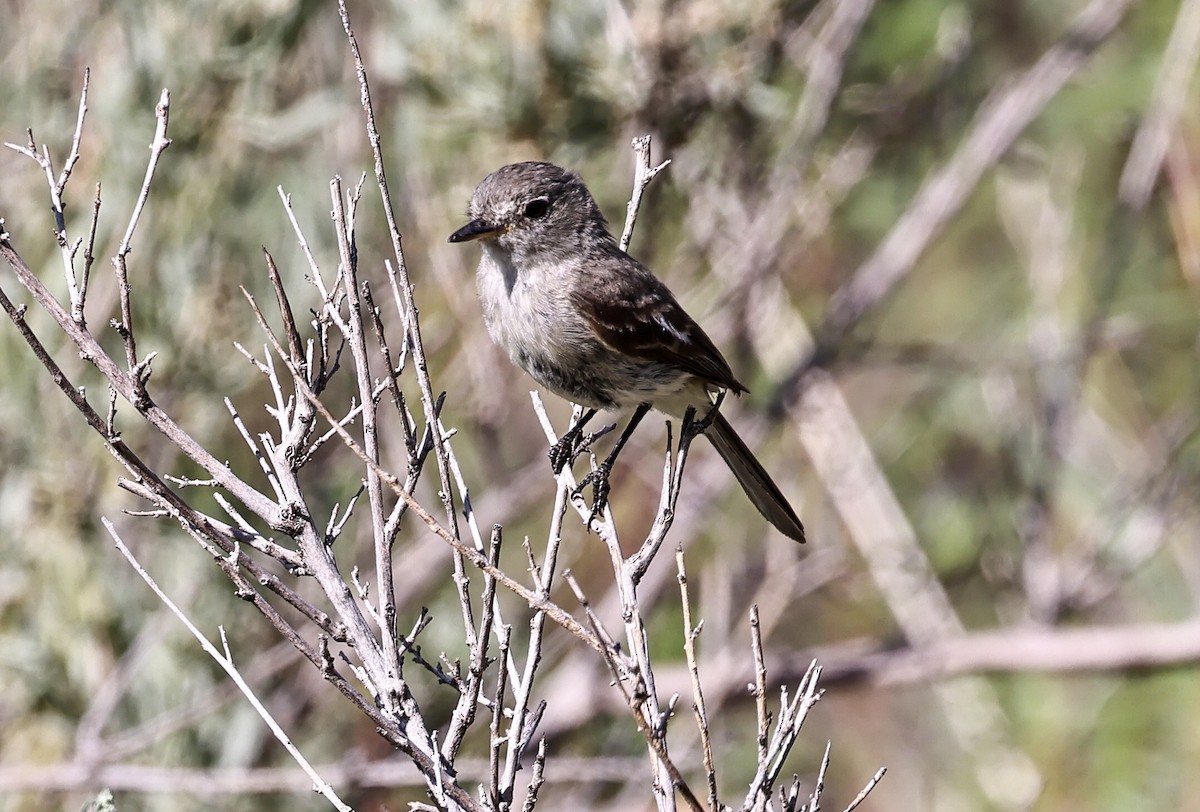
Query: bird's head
{"x": 531, "y": 208}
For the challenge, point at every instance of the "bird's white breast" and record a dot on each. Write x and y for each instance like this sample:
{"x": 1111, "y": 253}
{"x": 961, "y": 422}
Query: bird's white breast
{"x": 528, "y": 313}
{"x": 531, "y": 313}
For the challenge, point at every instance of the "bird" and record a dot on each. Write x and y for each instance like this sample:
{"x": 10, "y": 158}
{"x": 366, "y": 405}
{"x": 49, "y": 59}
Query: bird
{"x": 593, "y": 325}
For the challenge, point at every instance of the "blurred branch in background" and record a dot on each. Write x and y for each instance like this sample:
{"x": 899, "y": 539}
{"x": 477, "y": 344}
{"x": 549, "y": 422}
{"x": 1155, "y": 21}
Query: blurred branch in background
{"x": 998, "y": 122}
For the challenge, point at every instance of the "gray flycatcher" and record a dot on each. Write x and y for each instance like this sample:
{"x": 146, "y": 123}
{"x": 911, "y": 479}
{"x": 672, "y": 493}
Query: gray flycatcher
{"x": 593, "y": 325}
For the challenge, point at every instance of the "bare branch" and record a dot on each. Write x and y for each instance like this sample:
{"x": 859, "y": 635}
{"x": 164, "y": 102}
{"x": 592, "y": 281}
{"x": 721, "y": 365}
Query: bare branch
{"x": 537, "y": 779}
{"x": 226, "y": 662}
{"x": 645, "y": 715}
{"x": 73, "y": 156}
{"x": 75, "y": 290}
{"x": 559, "y": 615}
{"x": 814, "y": 800}
{"x": 759, "y": 687}
{"x": 121, "y": 381}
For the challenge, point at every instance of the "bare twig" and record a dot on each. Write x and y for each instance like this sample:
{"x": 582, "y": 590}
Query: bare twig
{"x": 124, "y": 384}
{"x": 89, "y": 257}
{"x": 139, "y": 370}
{"x": 814, "y": 800}
{"x": 625, "y": 671}
{"x": 759, "y": 688}
{"x": 787, "y": 728}
{"x": 73, "y": 156}
{"x": 537, "y": 778}
{"x": 866, "y": 790}
{"x": 496, "y": 800}
{"x": 76, "y": 291}
{"x": 690, "y": 633}
{"x": 643, "y": 174}
{"x": 464, "y": 710}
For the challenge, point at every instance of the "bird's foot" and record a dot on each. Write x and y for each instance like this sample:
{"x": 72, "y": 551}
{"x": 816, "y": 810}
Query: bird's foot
{"x": 568, "y": 448}
{"x": 693, "y": 427}
{"x": 598, "y": 479}
{"x": 562, "y": 453}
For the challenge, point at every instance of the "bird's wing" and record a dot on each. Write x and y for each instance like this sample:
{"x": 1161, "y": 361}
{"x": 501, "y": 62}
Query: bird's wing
{"x": 633, "y": 313}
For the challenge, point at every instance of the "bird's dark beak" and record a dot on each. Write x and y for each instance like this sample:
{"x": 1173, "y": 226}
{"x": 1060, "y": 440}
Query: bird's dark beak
{"x": 474, "y": 230}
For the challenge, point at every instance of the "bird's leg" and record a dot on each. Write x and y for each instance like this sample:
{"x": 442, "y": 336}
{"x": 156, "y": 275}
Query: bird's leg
{"x": 692, "y": 427}
{"x": 598, "y": 478}
{"x": 564, "y": 452}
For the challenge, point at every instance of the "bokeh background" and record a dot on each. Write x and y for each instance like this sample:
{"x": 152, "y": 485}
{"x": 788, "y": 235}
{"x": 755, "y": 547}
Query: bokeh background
{"x": 999, "y": 453}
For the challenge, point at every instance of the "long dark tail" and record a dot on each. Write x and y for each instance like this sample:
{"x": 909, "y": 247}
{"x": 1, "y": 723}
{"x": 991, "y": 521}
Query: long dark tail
{"x": 754, "y": 479}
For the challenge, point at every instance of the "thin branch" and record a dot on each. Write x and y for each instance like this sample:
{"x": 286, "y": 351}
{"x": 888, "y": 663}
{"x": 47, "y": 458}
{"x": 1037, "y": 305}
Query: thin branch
{"x": 537, "y": 778}
{"x": 73, "y": 156}
{"x": 602, "y": 525}
{"x": 123, "y": 383}
{"x": 263, "y": 462}
{"x": 862, "y": 796}
{"x": 57, "y": 205}
{"x": 762, "y": 716}
{"x": 543, "y": 579}
{"x": 495, "y": 800}
{"x": 89, "y": 258}
{"x": 814, "y": 800}
{"x": 404, "y": 284}
{"x": 690, "y": 633}
{"x": 464, "y": 711}
{"x": 357, "y": 339}
{"x": 787, "y": 728}
{"x": 635, "y": 697}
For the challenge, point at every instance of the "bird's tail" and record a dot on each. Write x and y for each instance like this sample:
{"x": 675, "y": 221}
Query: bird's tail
{"x": 754, "y": 479}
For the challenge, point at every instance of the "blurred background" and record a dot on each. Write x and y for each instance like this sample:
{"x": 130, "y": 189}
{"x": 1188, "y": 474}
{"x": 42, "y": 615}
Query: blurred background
{"x": 987, "y": 213}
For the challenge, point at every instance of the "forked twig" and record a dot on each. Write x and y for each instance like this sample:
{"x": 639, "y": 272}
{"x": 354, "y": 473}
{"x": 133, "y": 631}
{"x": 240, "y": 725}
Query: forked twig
{"x": 643, "y": 175}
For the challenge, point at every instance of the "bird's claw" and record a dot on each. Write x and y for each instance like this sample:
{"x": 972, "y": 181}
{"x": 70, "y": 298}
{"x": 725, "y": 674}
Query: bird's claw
{"x": 562, "y": 453}
{"x": 694, "y": 426}
{"x": 598, "y": 479}
{"x": 568, "y": 448}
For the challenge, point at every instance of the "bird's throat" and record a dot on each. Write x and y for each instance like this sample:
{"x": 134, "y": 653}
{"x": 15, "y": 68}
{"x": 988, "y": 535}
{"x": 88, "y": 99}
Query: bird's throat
{"x": 502, "y": 260}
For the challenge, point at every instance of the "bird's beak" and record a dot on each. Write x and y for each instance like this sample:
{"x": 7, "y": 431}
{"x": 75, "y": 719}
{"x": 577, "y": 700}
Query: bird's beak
{"x": 475, "y": 230}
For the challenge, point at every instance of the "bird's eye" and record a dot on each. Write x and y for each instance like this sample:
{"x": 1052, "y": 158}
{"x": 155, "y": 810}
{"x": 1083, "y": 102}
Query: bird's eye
{"x": 536, "y": 209}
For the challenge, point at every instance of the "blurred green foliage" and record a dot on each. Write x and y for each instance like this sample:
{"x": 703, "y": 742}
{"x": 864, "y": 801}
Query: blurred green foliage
{"x": 944, "y": 376}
